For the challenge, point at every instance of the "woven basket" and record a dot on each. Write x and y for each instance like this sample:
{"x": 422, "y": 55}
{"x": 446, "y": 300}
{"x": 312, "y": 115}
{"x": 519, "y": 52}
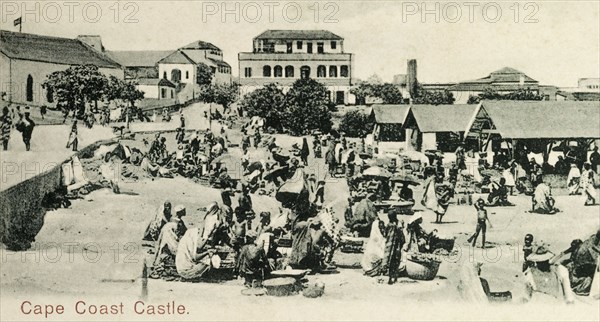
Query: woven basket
{"x": 422, "y": 271}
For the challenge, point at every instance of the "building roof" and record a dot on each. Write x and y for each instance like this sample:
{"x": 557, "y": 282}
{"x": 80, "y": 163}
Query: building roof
{"x": 177, "y": 57}
{"x": 138, "y": 58}
{"x": 543, "y": 119}
{"x": 199, "y": 44}
{"x": 497, "y": 79}
{"x": 65, "y": 51}
{"x": 299, "y": 34}
{"x": 442, "y": 118}
{"x": 155, "y": 82}
{"x": 389, "y": 114}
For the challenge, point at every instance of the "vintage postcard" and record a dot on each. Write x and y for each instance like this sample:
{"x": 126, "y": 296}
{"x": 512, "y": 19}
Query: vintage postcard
{"x": 299, "y": 160}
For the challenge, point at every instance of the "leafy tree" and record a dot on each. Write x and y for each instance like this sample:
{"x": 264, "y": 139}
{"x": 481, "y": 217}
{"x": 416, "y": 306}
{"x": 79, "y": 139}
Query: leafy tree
{"x": 224, "y": 94}
{"x": 303, "y": 108}
{"x": 518, "y": 95}
{"x": 267, "y": 102}
{"x": 76, "y": 86}
{"x": 356, "y": 124}
{"x": 362, "y": 91}
{"x": 204, "y": 74}
{"x": 389, "y": 93}
{"x": 433, "y": 97}
{"x": 306, "y": 107}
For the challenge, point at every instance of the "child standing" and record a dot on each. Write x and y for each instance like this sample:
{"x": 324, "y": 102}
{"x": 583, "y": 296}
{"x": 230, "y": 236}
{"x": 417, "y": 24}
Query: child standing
{"x": 482, "y": 220}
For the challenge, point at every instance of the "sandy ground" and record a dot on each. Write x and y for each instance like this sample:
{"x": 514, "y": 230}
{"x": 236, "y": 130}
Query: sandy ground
{"x": 92, "y": 252}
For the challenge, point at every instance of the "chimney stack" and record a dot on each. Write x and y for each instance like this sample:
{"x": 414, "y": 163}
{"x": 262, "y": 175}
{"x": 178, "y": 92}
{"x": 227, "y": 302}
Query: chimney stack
{"x": 521, "y": 80}
{"x": 93, "y": 41}
{"x": 411, "y": 81}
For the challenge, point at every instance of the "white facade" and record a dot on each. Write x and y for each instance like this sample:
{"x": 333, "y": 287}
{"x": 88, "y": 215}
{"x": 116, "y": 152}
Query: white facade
{"x": 187, "y": 72}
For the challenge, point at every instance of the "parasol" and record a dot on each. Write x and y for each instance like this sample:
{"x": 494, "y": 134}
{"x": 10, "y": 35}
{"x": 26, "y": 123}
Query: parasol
{"x": 415, "y": 156}
{"x": 222, "y": 158}
{"x": 376, "y": 171}
{"x": 405, "y": 179}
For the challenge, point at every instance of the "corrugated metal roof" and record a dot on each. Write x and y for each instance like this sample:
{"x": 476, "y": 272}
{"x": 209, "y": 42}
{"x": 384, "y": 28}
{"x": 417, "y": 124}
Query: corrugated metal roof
{"x": 155, "y": 82}
{"x": 199, "y": 44}
{"x": 48, "y": 49}
{"x": 137, "y": 58}
{"x": 544, "y": 119}
{"x": 442, "y": 118}
{"x": 176, "y": 57}
{"x": 299, "y": 35}
{"x": 390, "y": 114}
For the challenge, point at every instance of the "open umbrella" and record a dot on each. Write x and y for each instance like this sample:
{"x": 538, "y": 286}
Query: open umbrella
{"x": 405, "y": 179}
{"x": 222, "y": 158}
{"x": 415, "y": 156}
{"x": 376, "y": 171}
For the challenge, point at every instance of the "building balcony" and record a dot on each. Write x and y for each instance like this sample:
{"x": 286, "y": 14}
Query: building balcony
{"x": 288, "y": 81}
{"x": 294, "y": 57}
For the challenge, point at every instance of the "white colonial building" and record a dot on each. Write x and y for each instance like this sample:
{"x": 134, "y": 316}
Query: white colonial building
{"x": 283, "y": 56}
{"x": 27, "y": 59}
{"x": 181, "y": 66}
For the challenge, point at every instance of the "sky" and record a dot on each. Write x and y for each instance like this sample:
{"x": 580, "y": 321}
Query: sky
{"x": 554, "y": 42}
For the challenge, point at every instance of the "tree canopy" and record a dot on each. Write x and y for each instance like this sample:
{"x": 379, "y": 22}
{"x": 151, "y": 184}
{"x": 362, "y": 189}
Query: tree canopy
{"x": 302, "y": 109}
{"x": 429, "y": 97}
{"x": 78, "y": 85}
{"x": 223, "y": 94}
{"x": 518, "y": 95}
{"x": 387, "y": 92}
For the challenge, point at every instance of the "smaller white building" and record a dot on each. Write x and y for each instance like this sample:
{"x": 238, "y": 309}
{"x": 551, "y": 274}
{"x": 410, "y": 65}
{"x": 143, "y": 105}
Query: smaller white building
{"x": 158, "y": 88}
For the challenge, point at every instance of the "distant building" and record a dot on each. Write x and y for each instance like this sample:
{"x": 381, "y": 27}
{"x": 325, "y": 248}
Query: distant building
{"x": 158, "y": 88}
{"x": 28, "y": 59}
{"x": 181, "y": 65}
{"x": 139, "y": 64}
{"x": 503, "y": 81}
{"x": 588, "y": 89}
{"x": 284, "y": 56}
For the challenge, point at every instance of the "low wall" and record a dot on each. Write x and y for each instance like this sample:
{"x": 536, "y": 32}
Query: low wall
{"x": 21, "y": 211}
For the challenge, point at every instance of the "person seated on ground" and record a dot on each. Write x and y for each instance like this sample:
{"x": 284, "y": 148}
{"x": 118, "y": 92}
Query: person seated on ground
{"x": 362, "y": 218}
{"x": 542, "y": 201}
{"x": 264, "y": 224}
{"x": 167, "y": 243}
{"x": 561, "y": 167}
{"x": 252, "y": 262}
{"x": 416, "y": 237}
{"x": 406, "y": 193}
{"x": 197, "y": 247}
{"x": 308, "y": 239}
{"x": 583, "y": 261}
{"x": 547, "y": 278}
{"x": 498, "y": 194}
{"x": 163, "y": 216}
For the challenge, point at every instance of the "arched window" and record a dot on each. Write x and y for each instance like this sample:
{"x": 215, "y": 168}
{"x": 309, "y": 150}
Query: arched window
{"x": 278, "y": 71}
{"x": 50, "y": 95}
{"x": 304, "y": 72}
{"x": 187, "y": 74}
{"x": 289, "y": 71}
{"x": 165, "y": 75}
{"x": 344, "y": 71}
{"x": 176, "y": 75}
{"x": 29, "y": 90}
{"x": 332, "y": 71}
{"x": 266, "y": 71}
{"x": 321, "y": 71}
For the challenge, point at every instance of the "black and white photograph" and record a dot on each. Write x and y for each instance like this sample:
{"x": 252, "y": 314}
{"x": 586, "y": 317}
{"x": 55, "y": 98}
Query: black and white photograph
{"x": 301, "y": 160}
